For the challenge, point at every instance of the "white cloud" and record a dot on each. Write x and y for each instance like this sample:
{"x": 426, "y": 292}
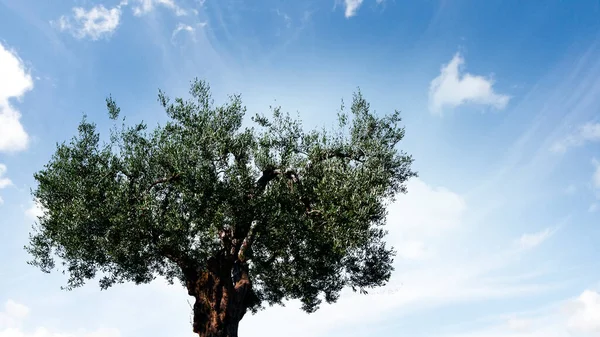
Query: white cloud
{"x": 453, "y": 87}
{"x": 95, "y": 23}
{"x": 568, "y": 318}
{"x": 101, "y": 22}
{"x": 532, "y": 240}
{"x": 519, "y": 324}
{"x": 421, "y": 217}
{"x": 146, "y": 6}
{"x": 585, "y": 313}
{"x": 413, "y": 250}
{"x": 351, "y": 7}
{"x": 15, "y": 81}
{"x": 183, "y": 27}
{"x": 35, "y": 211}
{"x": 14, "y": 314}
{"x": 589, "y": 132}
{"x": 4, "y": 182}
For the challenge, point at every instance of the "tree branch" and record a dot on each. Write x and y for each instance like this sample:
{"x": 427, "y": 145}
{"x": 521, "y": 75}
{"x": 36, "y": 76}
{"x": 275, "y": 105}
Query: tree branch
{"x": 268, "y": 175}
{"x": 247, "y": 242}
{"x": 295, "y": 179}
{"x": 338, "y": 153}
{"x": 164, "y": 180}
{"x": 187, "y": 265}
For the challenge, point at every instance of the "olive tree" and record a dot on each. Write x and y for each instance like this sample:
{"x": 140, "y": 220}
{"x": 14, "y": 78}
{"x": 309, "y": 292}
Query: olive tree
{"x": 242, "y": 216}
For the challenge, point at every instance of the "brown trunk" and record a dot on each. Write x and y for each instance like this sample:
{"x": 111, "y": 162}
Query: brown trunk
{"x": 220, "y": 303}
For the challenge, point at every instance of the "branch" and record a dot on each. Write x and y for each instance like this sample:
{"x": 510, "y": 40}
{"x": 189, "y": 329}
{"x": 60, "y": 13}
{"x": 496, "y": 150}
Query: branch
{"x": 338, "y": 153}
{"x": 268, "y": 175}
{"x": 164, "y": 180}
{"x": 247, "y": 242}
{"x": 292, "y": 175}
{"x": 294, "y": 178}
{"x": 183, "y": 261}
{"x": 271, "y": 173}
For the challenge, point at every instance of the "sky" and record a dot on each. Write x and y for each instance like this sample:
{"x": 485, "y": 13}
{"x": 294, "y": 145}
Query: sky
{"x": 497, "y": 237}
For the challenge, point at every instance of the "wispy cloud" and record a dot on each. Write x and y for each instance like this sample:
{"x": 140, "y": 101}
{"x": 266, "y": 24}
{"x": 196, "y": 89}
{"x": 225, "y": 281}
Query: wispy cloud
{"x": 589, "y": 132}
{"x": 578, "y": 316}
{"x": 100, "y": 22}
{"x": 96, "y": 23}
{"x": 532, "y": 240}
{"x": 352, "y": 7}
{"x": 558, "y": 104}
{"x": 146, "y": 6}
{"x": 15, "y": 81}
{"x": 185, "y": 28}
{"x": 4, "y": 181}
{"x": 454, "y": 87}
{"x": 596, "y": 175}
{"x": 286, "y": 18}
{"x": 571, "y": 189}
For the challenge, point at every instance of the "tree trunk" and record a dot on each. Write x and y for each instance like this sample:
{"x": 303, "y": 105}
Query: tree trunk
{"x": 220, "y": 301}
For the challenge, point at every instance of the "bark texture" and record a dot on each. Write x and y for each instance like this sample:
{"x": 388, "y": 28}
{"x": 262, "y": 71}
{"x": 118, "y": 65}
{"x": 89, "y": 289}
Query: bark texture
{"x": 221, "y": 300}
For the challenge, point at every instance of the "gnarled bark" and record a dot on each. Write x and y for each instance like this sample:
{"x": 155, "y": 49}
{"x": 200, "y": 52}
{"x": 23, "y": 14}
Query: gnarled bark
{"x": 220, "y": 300}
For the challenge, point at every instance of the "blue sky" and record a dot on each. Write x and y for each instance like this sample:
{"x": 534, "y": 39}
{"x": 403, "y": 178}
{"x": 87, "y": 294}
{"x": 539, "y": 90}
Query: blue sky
{"x": 497, "y": 237}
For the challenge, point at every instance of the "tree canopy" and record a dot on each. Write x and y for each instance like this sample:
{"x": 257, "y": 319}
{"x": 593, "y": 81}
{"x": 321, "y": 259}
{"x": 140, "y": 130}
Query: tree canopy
{"x": 300, "y": 213}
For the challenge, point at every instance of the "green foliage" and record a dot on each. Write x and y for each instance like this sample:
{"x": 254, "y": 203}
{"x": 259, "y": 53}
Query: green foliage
{"x": 136, "y": 207}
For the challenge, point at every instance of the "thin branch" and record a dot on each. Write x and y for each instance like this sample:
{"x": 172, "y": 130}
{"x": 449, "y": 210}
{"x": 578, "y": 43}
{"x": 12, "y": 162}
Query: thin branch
{"x": 247, "y": 242}
{"x": 337, "y": 153}
{"x": 295, "y": 179}
{"x": 164, "y": 180}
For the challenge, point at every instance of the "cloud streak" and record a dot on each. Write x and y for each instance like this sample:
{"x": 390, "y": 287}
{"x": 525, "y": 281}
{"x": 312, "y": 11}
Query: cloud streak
{"x": 587, "y": 133}
{"x": 532, "y": 240}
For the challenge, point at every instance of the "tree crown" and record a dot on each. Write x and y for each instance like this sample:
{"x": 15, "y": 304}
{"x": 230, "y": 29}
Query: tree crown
{"x": 303, "y": 209}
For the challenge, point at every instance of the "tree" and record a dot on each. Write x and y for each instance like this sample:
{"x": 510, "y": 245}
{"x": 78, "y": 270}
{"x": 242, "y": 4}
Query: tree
{"x": 243, "y": 217}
